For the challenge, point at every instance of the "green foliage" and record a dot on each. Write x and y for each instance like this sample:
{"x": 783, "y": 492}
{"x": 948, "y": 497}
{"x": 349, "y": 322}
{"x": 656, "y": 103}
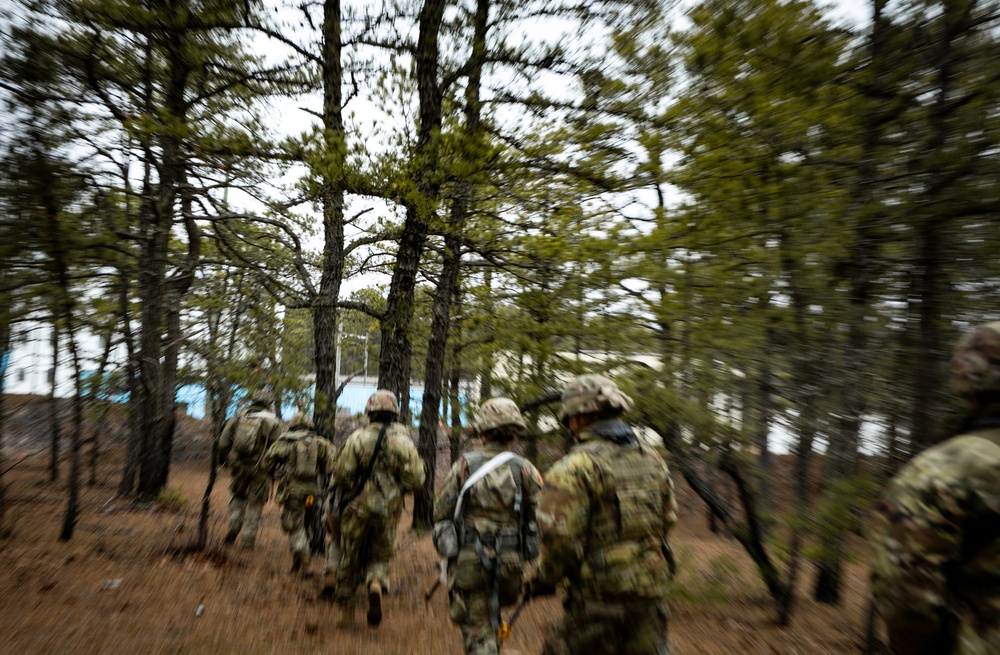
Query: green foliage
{"x": 171, "y": 500}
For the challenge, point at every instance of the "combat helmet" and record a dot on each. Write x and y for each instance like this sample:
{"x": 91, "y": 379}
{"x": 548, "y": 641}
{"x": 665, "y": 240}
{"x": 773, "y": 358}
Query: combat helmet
{"x": 382, "y": 400}
{"x": 262, "y": 397}
{"x": 301, "y": 420}
{"x": 498, "y": 412}
{"x": 975, "y": 366}
{"x": 589, "y": 394}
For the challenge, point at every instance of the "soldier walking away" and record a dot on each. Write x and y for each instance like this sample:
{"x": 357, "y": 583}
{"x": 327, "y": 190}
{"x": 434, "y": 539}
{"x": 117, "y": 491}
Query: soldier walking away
{"x": 606, "y": 509}
{"x": 377, "y": 466}
{"x": 301, "y": 461}
{"x": 936, "y": 576}
{"x": 486, "y": 529}
{"x": 242, "y": 444}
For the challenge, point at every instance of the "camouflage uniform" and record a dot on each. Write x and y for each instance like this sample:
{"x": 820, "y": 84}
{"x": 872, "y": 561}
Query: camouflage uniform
{"x": 936, "y": 575}
{"x": 303, "y": 461}
{"x": 606, "y": 509}
{"x": 368, "y": 522}
{"x": 488, "y": 511}
{"x": 249, "y": 481}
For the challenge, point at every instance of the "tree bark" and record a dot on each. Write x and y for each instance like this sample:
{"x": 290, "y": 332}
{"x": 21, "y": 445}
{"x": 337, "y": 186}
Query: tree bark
{"x": 162, "y": 296}
{"x": 324, "y": 308}
{"x": 394, "y": 358}
{"x": 4, "y": 355}
{"x": 54, "y": 406}
{"x": 99, "y": 406}
{"x": 423, "y": 503}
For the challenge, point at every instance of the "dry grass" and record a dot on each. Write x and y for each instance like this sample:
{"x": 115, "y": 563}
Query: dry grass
{"x": 57, "y": 597}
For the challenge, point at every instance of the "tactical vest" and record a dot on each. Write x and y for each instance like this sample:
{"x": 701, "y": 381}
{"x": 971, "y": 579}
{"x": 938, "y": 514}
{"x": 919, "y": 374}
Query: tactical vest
{"x": 514, "y": 533}
{"x": 626, "y": 540}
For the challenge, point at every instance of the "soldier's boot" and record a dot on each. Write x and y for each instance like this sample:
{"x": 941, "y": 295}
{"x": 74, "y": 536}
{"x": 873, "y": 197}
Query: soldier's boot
{"x": 231, "y": 537}
{"x": 299, "y": 563}
{"x": 374, "y": 603}
{"x": 346, "y": 620}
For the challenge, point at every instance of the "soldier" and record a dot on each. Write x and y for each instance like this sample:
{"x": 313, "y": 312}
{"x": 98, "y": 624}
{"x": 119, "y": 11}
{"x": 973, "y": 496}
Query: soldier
{"x": 243, "y": 441}
{"x": 605, "y": 512}
{"x": 936, "y": 576}
{"x": 303, "y": 462}
{"x": 494, "y": 530}
{"x": 376, "y": 468}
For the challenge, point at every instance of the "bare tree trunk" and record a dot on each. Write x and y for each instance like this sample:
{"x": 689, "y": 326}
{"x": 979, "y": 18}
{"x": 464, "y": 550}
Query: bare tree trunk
{"x": 54, "y": 405}
{"x": 856, "y": 355}
{"x": 486, "y": 372}
{"x": 394, "y": 359}
{"x": 73, "y": 502}
{"x": 162, "y": 295}
{"x": 99, "y": 406}
{"x": 423, "y": 503}
{"x": 325, "y": 309}
{"x": 4, "y": 359}
{"x": 132, "y": 448}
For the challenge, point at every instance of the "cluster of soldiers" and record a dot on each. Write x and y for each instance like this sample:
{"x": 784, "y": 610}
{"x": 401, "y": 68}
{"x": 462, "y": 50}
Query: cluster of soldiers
{"x": 597, "y": 524}
{"x": 598, "y": 521}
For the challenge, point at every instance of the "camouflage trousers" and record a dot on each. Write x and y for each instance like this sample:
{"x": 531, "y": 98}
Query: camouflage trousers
{"x": 367, "y": 544}
{"x": 470, "y": 611}
{"x": 250, "y": 492}
{"x": 470, "y": 589}
{"x": 293, "y": 522}
{"x": 635, "y": 627}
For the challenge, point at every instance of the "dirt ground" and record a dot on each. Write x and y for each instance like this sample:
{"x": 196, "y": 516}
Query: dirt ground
{"x": 120, "y": 586}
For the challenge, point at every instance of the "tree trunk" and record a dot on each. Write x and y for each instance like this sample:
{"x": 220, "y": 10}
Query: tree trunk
{"x": 489, "y": 362}
{"x": 73, "y": 501}
{"x": 324, "y": 308}
{"x": 162, "y": 296}
{"x": 423, "y": 503}
{"x": 4, "y": 359}
{"x": 455, "y": 441}
{"x": 133, "y": 447}
{"x": 856, "y": 356}
{"x": 99, "y": 406}
{"x": 394, "y": 359}
{"x": 54, "y": 406}
{"x": 762, "y": 423}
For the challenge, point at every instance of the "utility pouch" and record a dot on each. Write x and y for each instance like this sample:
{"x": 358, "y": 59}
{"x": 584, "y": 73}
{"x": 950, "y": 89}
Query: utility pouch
{"x": 529, "y": 541}
{"x": 445, "y": 537}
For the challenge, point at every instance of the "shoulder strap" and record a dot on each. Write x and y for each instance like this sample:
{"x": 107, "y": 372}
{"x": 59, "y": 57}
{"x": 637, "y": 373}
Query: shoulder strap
{"x": 368, "y": 470}
{"x": 479, "y": 474}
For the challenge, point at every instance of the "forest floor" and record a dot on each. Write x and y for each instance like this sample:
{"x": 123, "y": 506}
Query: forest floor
{"x": 124, "y": 585}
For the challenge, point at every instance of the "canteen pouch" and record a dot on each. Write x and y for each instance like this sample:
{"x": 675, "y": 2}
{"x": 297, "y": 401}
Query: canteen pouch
{"x": 445, "y": 538}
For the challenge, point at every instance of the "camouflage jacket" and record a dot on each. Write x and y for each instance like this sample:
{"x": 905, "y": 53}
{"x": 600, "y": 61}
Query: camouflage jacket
{"x": 302, "y": 461}
{"x": 271, "y": 427}
{"x": 606, "y": 509}
{"x": 936, "y": 575}
{"x": 489, "y": 504}
{"x": 398, "y": 469}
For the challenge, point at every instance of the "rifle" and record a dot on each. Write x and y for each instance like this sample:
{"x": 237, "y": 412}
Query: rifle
{"x": 507, "y": 627}
{"x": 441, "y": 579}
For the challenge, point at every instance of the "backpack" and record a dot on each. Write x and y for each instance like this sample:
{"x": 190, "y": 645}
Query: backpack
{"x": 306, "y": 456}
{"x": 247, "y": 435}
{"x": 449, "y": 535}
